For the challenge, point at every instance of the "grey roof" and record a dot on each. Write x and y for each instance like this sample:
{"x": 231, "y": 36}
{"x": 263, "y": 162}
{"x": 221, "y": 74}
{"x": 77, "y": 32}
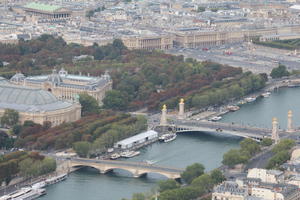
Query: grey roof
{"x": 138, "y": 137}
{"x": 28, "y": 99}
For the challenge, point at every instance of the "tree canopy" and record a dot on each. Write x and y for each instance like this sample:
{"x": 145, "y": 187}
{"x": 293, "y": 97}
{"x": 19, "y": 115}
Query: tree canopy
{"x": 279, "y": 71}
{"x": 89, "y": 104}
{"x": 10, "y": 118}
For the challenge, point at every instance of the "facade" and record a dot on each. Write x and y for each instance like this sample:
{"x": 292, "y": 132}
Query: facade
{"x": 266, "y": 176}
{"x": 163, "y": 42}
{"x": 67, "y": 86}
{"x": 36, "y": 104}
{"x": 47, "y": 12}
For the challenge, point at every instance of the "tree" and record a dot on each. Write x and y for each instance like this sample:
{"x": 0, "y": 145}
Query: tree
{"x": 217, "y": 176}
{"x": 266, "y": 142}
{"x": 89, "y": 104}
{"x": 192, "y": 172}
{"x": 82, "y": 148}
{"x": 249, "y": 146}
{"x": 10, "y": 118}
{"x": 278, "y": 159}
{"x": 283, "y": 145}
{"x": 98, "y": 54}
{"x": 167, "y": 185}
{"x": 204, "y": 182}
{"x": 117, "y": 43}
{"x": 279, "y": 71}
{"x": 234, "y": 157}
{"x": 115, "y": 100}
{"x": 201, "y": 9}
{"x": 1, "y": 64}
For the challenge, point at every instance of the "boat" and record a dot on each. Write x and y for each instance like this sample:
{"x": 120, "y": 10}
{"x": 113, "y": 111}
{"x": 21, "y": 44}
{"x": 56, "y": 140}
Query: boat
{"x": 170, "y": 138}
{"x": 5, "y": 197}
{"x": 115, "y": 156}
{"x": 216, "y": 118}
{"x": 150, "y": 162}
{"x": 293, "y": 86}
{"x": 162, "y": 138}
{"x": 129, "y": 154}
{"x": 27, "y": 193}
{"x": 233, "y": 108}
{"x": 250, "y": 99}
{"x": 266, "y": 94}
{"x": 39, "y": 185}
{"x": 56, "y": 179}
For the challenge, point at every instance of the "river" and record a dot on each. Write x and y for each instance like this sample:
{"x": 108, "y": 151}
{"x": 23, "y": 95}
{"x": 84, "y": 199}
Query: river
{"x": 188, "y": 148}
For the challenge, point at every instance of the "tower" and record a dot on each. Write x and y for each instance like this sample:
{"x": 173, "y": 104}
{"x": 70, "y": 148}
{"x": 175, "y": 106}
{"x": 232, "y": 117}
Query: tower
{"x": 275, "y": 135}
{"x": 290, "y": 121}
{"x": 163, "y": 119}
{"x": 181, "y": 109}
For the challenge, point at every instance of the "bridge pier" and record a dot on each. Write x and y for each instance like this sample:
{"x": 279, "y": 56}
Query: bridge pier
{"x": 181, "y": 109}
{"x": 290, "y": 122}
{"x": 275, "y": 135}
{"x": 163, "y": 119}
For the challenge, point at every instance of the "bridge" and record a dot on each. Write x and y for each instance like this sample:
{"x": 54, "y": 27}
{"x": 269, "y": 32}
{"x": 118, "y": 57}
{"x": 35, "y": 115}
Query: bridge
{"x": 138, "y": 169}
{"x": 180, "y": 123}
{"x": 181, "y": 126}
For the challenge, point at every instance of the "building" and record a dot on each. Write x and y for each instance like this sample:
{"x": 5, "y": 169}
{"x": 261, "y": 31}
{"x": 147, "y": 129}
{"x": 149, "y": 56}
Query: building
{"x": 266, "y": 176}
{"x": 229, "y": 190}
{"x": 149, "y": 42}
{"x": 36, "y": 104}
{"x": 47, "y": 12}
{"x": 136, "y": 140}
{"x": 67, "y": 86}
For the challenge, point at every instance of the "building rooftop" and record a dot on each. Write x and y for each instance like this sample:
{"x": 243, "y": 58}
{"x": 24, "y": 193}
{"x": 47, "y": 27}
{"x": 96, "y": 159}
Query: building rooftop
{"x": 43, "y": 7}
{"x": 26, "y": 99}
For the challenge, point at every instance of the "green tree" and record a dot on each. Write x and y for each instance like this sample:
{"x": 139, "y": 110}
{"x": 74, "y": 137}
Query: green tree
{"x": 234, "y": 157}
{"x": 98, "y": 54}
{"x": 89, "y": 104}
{"x": 266, "y": 142}
{"x": 217, "y": 176}
{"x": 167, "y": 185}
{"x": 138, "y": 196}
{"x": 278, "y": 159}
{"x": 117, "y": 43}
{"x": 283, "y": 145}
{"x": 204, "y": 182}
{"x": 115, "y": 100}
{"x": 192, "y": 172}
{"x": 249, "y": 146}
{"x": 10, "y": 118}
{"x": 201, "y": 9}
{"x": 279, "y": 71}
{"x": 82, "y": 148}
{"x": 1, "y": 64}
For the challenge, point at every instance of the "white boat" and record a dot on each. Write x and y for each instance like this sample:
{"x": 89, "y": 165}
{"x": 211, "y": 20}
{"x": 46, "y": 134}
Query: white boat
{"x": 164, "y": 136}
{"x": 39, "y": 185}
{"x": 216, "y": 118}
{"x": 115, "y": 156}
{"x": 27, "y": 193}
{"x": 250, "y": 99}
{"x": 5, "y": 197}
{"x": 233, "y": 108}
{"x": 266, "y": 94}
{"x": 129, "y": 154}
{"x": 170, "y": 138}
{"x": 56, "y": 179}
{"x": 150, "y": 162}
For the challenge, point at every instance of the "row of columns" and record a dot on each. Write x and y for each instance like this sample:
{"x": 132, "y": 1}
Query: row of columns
{"x": 275, "y": 129}
{"x": 181, "y": 115}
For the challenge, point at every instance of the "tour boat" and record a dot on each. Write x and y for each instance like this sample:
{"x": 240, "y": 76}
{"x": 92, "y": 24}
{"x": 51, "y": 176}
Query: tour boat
{"x": 115, "y": 156}
{"x": 216, "y": 118}
{"x": 39, "y": 185}
{"x": 56, "y": 179}
{"x": 266, "y": 94}
{"x": 150, "y": 162}
{"x": 233, "y": 108}
{"x": 170, "y": 138}
{"x": 129, "y": 154}
{"x": 164, "y": 136}
{"x": 250, "y": 99}
{"x": 27, "y": 193}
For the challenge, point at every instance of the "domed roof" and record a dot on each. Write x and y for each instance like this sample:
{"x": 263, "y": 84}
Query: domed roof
{"x": 25, "y": 96}
{"x": 17, "y": 77}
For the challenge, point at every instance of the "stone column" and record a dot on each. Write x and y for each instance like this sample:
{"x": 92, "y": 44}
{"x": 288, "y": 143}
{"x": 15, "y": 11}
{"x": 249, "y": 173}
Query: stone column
{"x": 275, "y": 135}
{"x": 163, "y": 119}
{"x": 181, "y": 109}
{"x": 290, "y": 121}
